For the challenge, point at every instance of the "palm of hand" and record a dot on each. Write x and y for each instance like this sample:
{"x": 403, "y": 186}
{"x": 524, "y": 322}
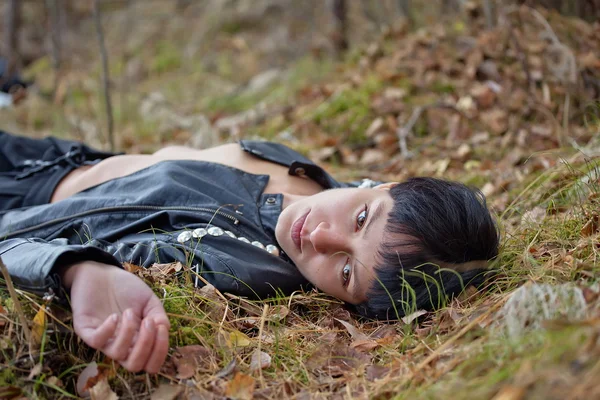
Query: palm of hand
{"x": 116, "y": 312}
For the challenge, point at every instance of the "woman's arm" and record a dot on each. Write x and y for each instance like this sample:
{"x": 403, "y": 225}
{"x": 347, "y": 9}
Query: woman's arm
{"x": 113, "y": 310}
{"x": 116, "y": 312}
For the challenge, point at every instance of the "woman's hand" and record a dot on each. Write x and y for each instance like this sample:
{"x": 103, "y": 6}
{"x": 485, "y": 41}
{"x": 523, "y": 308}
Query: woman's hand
{"x": 116, "y": 312}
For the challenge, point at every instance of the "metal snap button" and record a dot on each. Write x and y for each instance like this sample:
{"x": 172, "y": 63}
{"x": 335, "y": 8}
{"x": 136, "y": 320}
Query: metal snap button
{"x": 271, "y": 200}
{"x": 299, "y": 171}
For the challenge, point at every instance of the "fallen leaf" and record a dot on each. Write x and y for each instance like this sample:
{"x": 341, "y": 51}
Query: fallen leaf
{"x": 372, "y": 156}
{"x": 227, "y": 370}
{"x": 208, "y": 291}
{"x": 166, "y": 269}
{"x": 375, "y": 372}
{"x": 259, "y": 360}
{"x": 534, "y": 217}
{"x": 384, "y": 331}
{"x": 411, "y": 317}
{"x": 88, "y": 378}
{"x": 278, "y": 313}
{"x": 241, "y": 387}
{"x": 364, "y": 345}
{"x": 590, "y": 227}
{"x": 376, "y": 126}
{"x": 353, "y": 331}
{"x": 35, "y": 371}
{"x": 496, "y": 119}
{"x": 131, "y": 267}
{"x": 336, "y": 360}
{"x": 239, "y": 339}
{"x": 10, "y": 392}
{"x": 329, "y": 337}
{"x": 484, "y": 95}
{"x": 166, "y": 392}
{"x": 188, "y": 359}
{"x": 102, "y": 391}
{"x": 39, "y": 325}
{"x": 510, "y": 393}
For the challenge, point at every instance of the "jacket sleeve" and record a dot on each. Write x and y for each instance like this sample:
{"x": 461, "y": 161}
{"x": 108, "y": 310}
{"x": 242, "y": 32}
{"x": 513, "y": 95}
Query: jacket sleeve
{"x": 33, "y": 263}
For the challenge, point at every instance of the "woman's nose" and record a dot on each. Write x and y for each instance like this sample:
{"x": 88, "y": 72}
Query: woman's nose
{"x": 325, "y": 239}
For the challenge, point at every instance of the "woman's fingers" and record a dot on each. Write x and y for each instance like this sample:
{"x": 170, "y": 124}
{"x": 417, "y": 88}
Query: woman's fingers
{"x": 159, "y": 351}
{"x": 118, "y": 349}
{"x": 142, "y": 347}
{"x": 98, "y": 337}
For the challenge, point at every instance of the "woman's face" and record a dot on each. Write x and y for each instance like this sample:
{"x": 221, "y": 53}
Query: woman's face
{"x": 333, "y": 238}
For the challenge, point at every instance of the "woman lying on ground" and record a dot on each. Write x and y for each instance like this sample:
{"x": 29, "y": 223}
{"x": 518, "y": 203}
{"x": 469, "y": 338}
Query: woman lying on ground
{"x": 253, "y": 219}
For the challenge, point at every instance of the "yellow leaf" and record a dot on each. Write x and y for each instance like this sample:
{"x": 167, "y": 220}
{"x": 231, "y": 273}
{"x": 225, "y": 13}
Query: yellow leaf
{"x": 238, "y": 339}
{"x": 39, "y": 325}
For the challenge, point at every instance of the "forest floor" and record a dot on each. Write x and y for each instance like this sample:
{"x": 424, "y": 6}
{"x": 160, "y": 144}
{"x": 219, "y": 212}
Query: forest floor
{"x": 511, "y": 111}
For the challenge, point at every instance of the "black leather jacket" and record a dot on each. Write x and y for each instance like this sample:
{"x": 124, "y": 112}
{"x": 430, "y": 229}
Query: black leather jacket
{"x": 138, "y": 218}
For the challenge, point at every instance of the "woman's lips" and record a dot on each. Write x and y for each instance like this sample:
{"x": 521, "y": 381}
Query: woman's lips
{"x": 297, "y": 231}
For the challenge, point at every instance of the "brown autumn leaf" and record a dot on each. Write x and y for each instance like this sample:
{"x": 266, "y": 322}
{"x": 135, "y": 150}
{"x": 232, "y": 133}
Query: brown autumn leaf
{"x": 375, "y": 372}
{"x": 189, "y": 359}
{"x": 384, "y": 331}
{"x": 241, "y": 387}
{"x": 353, "y": 331}
{"x": 590, "y": 227}
{"x": 496, "y": 119}
{"x": 10, "y": 392}
{"x": 166, "y": 269}
{"x": 129, "y": 267}
{"x": 166, "y": 392}
{"x": 484, "y": 95}
{"x": 336, "y": 360}
{"x": 329, "y": 337}
{"x": 365, "y": 345}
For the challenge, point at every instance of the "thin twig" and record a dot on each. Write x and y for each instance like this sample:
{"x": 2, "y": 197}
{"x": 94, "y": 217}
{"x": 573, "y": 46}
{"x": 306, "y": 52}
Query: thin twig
{"x": 16, "y": 302}
{"x": 405, "y": 130}
{"x": 105, "y": 76}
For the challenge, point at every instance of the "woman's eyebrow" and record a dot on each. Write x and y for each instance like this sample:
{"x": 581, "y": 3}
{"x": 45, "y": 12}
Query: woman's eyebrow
{"x": 376, "y": 214}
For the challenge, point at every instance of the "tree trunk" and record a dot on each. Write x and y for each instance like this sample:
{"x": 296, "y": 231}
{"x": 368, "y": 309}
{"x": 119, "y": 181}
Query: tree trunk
{"x": 12, "y": 23}
{"x": 339, "y": 9}
{"x": 489, "y": 10}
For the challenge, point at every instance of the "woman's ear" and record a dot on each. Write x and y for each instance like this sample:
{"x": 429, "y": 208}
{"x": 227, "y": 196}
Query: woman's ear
{"x": 386, "y": 186}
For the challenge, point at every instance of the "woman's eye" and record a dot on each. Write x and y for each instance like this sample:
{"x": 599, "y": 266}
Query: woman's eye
{"x": 362, "y": 217}
{"x": 346, "y": 273}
